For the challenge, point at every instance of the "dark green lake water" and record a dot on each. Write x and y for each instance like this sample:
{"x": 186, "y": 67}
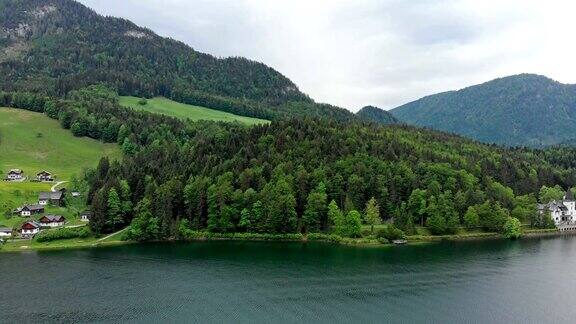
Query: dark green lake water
{"x": 528, "y": 281}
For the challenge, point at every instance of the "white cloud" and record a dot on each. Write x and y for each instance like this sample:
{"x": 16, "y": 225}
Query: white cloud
{"x": 353, "y": 53}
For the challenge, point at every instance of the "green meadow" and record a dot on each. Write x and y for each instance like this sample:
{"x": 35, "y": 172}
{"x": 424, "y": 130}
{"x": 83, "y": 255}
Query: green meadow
{"x": 33, "y": 142}
{"x": 172, "y": 108}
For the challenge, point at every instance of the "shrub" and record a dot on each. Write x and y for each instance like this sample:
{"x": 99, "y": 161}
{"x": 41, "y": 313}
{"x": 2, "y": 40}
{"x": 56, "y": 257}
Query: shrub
{"x": 512, "y": 228}
{"x": 390, "y": 233}
{"x": 142, "y": 102}
{"x": 63, "y": 234}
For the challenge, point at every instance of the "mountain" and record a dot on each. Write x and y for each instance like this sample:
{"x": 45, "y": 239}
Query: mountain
{"x": 55, "y": 46}
{"x": 519, "y": 110}
{"x": 375, "y": 114}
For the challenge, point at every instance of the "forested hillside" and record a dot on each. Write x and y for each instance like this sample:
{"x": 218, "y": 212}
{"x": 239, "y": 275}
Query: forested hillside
{"x": 55, "y": 46}
{"x": 375, "y": 114}
{"x": 526, "y": 109}
{"x": 296, "y": 175}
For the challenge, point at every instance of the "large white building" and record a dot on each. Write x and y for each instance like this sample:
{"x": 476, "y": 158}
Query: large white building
{"x": 563, "y": 212}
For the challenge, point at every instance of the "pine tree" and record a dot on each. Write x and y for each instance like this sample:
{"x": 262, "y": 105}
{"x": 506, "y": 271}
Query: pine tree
{"x": 114, "y": 219}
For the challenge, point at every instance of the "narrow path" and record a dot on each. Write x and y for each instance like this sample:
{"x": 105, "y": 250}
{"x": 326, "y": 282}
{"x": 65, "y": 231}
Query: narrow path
{"x": 120, "y": 231}
{"x": 56, "y": 185}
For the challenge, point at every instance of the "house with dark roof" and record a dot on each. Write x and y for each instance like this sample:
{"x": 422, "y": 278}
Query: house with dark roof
{"x": 29, "y": 229}
{"x": 55, "y": 198}
{"x": 29, "y": 210}
{"x": 15, "y": 175}
{"x": 52, "y": 221}
{"x": 44, "y": 176}
{"x": 5, "y": 232}
{"x": 85, "y": 216}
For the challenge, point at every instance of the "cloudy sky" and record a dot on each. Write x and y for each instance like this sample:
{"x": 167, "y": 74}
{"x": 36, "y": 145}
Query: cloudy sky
{"x": 354, "y": 53}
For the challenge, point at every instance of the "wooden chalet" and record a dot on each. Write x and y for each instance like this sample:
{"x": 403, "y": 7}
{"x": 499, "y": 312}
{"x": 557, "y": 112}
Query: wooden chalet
{"x": 52, "y": 221}
{"x": 55, "y": 198}
{"x": 29, "y": 210}
{"x": 44, "y": 176}
{"x": 30, "y": 229}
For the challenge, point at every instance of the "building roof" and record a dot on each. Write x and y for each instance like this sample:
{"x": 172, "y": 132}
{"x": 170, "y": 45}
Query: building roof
{"x": 5, "y": 229}
{"x": 29, "y": 224}
{"x": 15, "y": 171}
{"x": 569, "y": 196}
{"x": 33, "y": 207}
{"x": 52, "y": 195}
{"x": 43, "y": 172}
{"x": 52, "y": 218}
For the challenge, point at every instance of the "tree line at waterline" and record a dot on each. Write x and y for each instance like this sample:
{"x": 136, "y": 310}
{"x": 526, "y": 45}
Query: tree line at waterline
{"x": 295, "y": 175}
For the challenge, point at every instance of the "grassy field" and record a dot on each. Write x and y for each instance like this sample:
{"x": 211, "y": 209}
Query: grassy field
{"x": 168, "y": 107}
{"x": 33, "y": 142}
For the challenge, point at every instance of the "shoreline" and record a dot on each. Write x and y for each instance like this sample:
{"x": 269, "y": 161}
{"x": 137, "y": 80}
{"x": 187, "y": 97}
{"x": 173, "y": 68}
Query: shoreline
{"x": 315, "y": 237}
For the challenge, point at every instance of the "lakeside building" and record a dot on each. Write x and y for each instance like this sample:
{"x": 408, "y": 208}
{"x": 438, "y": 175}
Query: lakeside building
{"x": 30, "y": 229}
{"x": 5, "y": 232}
{"x": 52, "y": 221}
{"x": 562, "y": 212}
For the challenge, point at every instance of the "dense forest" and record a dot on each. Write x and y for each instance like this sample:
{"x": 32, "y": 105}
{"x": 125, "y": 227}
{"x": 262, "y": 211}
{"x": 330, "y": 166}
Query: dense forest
{"x": 55, "y": 46}
{"x": 520, "y": 110}
{"x": 298, "y": 175}
{"x": 375, "y": 114}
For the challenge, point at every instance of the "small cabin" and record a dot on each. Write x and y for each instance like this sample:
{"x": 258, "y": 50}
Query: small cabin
{"x": 44, "y": 176}
{"x": 85, "y": 216}
{"x": 52, "y": 221}
{"x": 29, "y": 210}
{"x": 30, "y": 229}
{"x": 15, "y": 175}
{"x": 55, "y": 198}
{"x": 5, "y": 232}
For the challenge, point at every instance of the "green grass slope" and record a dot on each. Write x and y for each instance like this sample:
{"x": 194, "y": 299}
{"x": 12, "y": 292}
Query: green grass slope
{"x": 172, "y": 108}
{"x": 33, "y": 142}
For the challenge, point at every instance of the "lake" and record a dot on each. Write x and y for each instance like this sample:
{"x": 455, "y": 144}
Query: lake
{"x": 245, "y": 282}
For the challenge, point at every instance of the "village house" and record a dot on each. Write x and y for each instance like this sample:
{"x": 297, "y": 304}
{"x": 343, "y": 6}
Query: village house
{"x": 563, "y": 212}
{"x": 85, "y": 216}
{"x": 52, "y": 221}
{"x": 30, "y": 229}
{"x": 15, "y": 175}
{"x": 55, "y": 198}
{"x": 5, "y": 232}
{"x": 44, "y": 176}
{"x": 29, "y": 210}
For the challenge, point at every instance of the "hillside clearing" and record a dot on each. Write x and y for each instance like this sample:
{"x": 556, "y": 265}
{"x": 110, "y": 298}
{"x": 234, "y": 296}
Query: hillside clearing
{"x": 33, "y": 142}
{"x": 164, "y": 106}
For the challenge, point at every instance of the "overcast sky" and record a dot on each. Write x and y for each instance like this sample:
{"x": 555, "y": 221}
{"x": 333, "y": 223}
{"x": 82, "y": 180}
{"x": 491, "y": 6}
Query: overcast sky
{"x": 353, "y": 53}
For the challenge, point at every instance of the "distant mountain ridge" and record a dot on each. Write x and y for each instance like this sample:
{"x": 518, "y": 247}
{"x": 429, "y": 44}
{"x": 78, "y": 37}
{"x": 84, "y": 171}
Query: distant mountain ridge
{"x": 55, "y": 46}
{"x": 375, "y": 114}
{"x": 519, "y": 110}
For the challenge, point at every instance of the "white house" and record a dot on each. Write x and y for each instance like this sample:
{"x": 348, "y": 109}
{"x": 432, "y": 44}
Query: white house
{"x": 52, "y": 221}
{"x": 30, "y": 229}
{"x": 5, "y": 232}
{"x": 85, "y": 216}
{"x": 563, "y": 212}
{"x": 44, "y": 176}
{"x": 15, "y": 175}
